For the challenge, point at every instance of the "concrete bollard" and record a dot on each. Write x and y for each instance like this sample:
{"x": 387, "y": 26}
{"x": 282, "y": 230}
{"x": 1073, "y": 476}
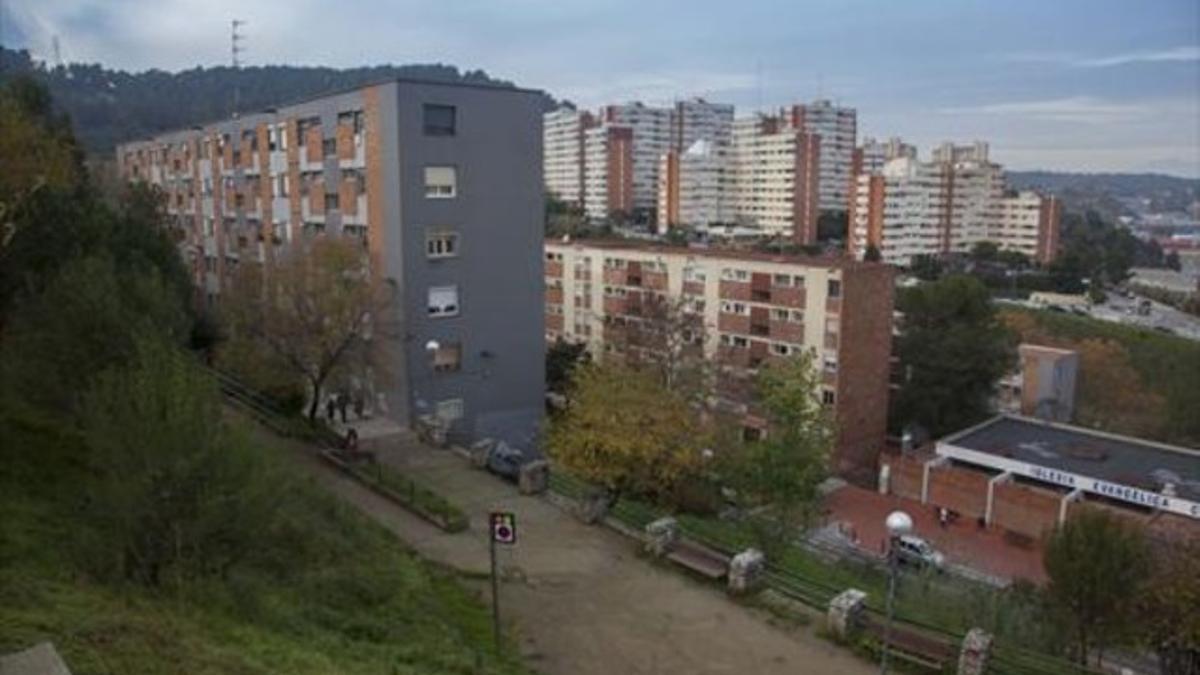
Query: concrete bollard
{"x": 976, "y": 652}
{"x": 661, "y": 535}
{"x": 480, "y": 451}
{"x": 746, "y": 570}
{"x": 593, "y": 509}
{"x": 534, "y": 477}
{"x": 845, "y": 611}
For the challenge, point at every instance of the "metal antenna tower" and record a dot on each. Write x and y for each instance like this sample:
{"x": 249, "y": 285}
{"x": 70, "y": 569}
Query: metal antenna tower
{"x": 57, "y": 52}
{"x": 236, "y": 47}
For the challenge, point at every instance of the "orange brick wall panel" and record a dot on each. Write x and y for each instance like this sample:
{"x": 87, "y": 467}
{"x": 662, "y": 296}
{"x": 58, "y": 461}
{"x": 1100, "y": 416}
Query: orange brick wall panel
{"x": 1024, "y": 509}
{"x": 786, "y": 331}
{"x": 614, "y": 276}
{"x": 733, "y": 323}
{"x": 264, "y": 185}
{"x": 314, "y": 150}
{"x": 864, "y": 366}
{"x": 345, "y": 142}
{"x": 693, "y": 288}
{"x": 733, "y": 356}
{"x": 348, "y": 196}
{"x": 554, "y": 296}
{"x": 316, "y": 198}
{"x": 614, "y": 306}
{"x": 554, "y": 268}
{"x": 655, "y": 280}
{"x": 786, "y": 296}
{"x": 960, "y": 490}
{"x": 906, "y": 475}
{"x": 554, "y": 322}
{"x": 733, "y": 290}
{"x": 291, "y": 129}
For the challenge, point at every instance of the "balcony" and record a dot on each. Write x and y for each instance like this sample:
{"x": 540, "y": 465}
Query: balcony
{"x": 833, "y": 305}
{"x": 614, "y": 276}
{"x": 788, "y": 296}
{"x": 554, "y": 322}
{"x": 614, "y": 305}
{"x": 554, "y": 296}
{"x": 760, "y": 295}
{"x": 656, "y": 281}
{"x": 831, "y": 340}
{"x": 693, "y": 288}
{"x": 760, "y": 329}
{"x": 786, "y": 331}
{"x": 554, "y": 268}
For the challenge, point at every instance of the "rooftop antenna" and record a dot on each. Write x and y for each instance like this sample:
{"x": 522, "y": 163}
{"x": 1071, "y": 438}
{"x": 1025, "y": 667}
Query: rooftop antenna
{"x": 236, "y": 48}
{"x": 758, "y": 76}
{"x": 54, "y": 45}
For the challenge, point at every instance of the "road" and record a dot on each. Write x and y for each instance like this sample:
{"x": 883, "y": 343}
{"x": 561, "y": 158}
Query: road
{"x": 579, "y": 598}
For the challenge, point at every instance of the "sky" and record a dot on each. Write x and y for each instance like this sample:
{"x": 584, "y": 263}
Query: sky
{"x": 1095, "y": 85}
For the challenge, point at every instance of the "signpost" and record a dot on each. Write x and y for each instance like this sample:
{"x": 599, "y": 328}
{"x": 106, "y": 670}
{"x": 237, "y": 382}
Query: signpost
{"x": 502, "y": 530}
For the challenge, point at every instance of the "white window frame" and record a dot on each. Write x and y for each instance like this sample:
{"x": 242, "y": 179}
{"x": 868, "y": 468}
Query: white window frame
{"x": 437, "y": 308}
{"x": 437, "y": 239}
{"x": 436, "y": 190}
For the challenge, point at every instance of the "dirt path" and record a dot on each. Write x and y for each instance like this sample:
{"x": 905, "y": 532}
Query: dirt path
{"x": 580, "y": 599}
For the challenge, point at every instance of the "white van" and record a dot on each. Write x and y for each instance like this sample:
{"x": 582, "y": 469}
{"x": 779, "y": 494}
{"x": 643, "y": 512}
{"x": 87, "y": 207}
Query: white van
{"x": 916, "y": 551}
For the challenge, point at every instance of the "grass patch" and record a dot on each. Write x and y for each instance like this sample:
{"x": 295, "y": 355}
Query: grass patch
{"x": 332, "y": 592}
{"x": 411, "y": 495}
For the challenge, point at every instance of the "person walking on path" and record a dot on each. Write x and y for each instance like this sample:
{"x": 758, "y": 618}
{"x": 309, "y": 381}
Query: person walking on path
{"x": 343, "y": 402}
{"x": 331, "y": 407}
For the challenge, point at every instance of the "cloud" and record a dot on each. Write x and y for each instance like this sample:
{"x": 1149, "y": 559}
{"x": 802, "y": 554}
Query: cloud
{"x": 1182, "y": 54}
{"x": 1073, "y": 109}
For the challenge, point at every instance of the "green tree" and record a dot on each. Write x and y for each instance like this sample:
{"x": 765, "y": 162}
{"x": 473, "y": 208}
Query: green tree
{"x": 175, "y": 493}
{"x": 313, "y": 311}
{"x": 985, "y": 251}
{"x": 1167, "y": 608}
{"x": 85, "y": 322}
{"x": 952, "y": 349}
{"x": 784, "y": 471}
{"x": 925, "y": 267}
{"x": 1172, "y": 261}
{"x": 872, "y": 254}
{"x": 624, "y": 431}
{"x": 1097, "y": 566}
{"x": 562, "y": 358}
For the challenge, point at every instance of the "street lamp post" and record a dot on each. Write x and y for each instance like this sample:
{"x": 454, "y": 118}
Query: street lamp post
{"x": 898, "y": 524}
{"x": 432, "y": 348}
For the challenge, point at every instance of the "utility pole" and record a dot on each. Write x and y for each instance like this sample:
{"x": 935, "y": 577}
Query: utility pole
{"x": 236, "y": 47}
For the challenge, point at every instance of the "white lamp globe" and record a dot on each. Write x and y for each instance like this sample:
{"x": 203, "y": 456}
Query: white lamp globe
{"x": 432, "y": 346}
{"x": 899, "y": 523}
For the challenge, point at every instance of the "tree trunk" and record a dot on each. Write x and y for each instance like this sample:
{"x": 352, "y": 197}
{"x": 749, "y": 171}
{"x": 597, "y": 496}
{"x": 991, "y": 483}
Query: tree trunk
{"x": 315, "y": 406}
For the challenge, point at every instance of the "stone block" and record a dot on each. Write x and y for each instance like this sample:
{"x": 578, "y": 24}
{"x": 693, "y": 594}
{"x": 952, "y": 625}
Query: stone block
{"x": 480, "y": 451}
{"x": 976, "y": 652}
{"x": 845, "y": 610}
{"x": 534, "y": 477}
{"x": 661, "y": 535}
{"x": 746, "y": 571}
{"x": 593, "y": 509}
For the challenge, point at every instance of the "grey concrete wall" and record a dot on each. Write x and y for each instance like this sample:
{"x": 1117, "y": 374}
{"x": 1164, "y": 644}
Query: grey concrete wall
{"x": 498, "y": 214}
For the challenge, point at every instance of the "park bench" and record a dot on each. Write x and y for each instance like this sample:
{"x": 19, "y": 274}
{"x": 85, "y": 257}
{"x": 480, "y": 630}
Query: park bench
{"x": 915, "y": 647}
{"x": 699, "y": 559}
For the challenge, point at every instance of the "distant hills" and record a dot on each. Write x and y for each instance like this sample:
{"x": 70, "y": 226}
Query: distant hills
{"x": 1114, "y": 194}
{"x": 109, "y": 107}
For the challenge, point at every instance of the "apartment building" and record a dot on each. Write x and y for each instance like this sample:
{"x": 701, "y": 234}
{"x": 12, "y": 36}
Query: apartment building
{"x": 837, "y": 127}
{"x": 948, "y": 205}
{"x": 873, "y": 154}
{"x": 608, "y": 171}
{"x": 775, "y": 181}
{"x": 652, "y": 131}
{"x": 692, "y": 187}
{"x": 756, "y": 309}
{"x": 563, "y": 153}
{"x": 442, "y": 184}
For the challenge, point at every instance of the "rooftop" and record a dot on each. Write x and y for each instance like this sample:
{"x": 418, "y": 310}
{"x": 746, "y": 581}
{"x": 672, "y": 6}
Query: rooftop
{"x": 1116, "y": 459}
{"x": 712, "y": 252}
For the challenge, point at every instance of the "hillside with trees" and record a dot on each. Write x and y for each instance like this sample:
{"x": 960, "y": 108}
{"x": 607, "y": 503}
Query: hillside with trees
{"x": 144, "y": 528}
{"x": 1111, "y": 194}
{"x": 113, "y": 106}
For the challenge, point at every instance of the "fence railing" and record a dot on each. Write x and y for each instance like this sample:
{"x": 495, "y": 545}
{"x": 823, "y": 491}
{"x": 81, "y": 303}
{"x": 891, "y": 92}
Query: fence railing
{"x": 815, "y": 593}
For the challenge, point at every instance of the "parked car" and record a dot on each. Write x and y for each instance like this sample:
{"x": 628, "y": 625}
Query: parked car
{"x": 917, "y": 552}
{"x": 505, "y": 460}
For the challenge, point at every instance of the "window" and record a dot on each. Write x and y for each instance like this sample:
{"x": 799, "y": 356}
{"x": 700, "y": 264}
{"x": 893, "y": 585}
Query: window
{"x": 449, "y": 410}
{"x": 272, "y": 137}
{"x": 331, "y": 201}
{"x": 441, "y": 182}
{"x": 831, "y": 364}
{"x": 441, "y": 244}
{"x": 281, "y": 185}
{"x": 443, "y": 301}
{"x": 835, "y": 288}
{"x": 779, "y": 315}
{"x": 283, "y": 137}
{"x": 329, "y": 147}
{"x": 798, "y": 282}
{"x": 797, "y": 316}
{"x": 783, "y": 280}
{"x": 780, "y": 349}
{"x": 440, "y": 120}
{"x": 828, "y": 397}
{"x": 740, "y": 342}
{"x": 447, "y": 358}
